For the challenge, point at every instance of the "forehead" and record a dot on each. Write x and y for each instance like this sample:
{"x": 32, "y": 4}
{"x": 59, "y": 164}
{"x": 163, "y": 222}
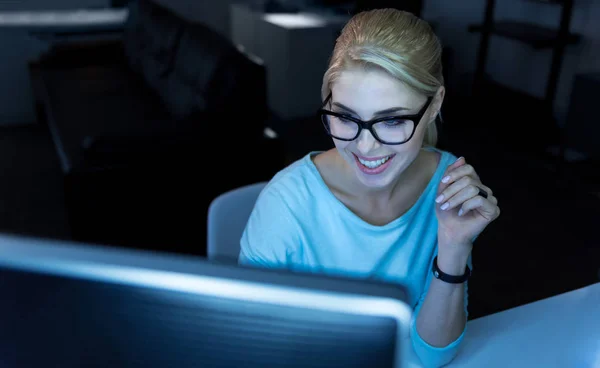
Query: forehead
{"x": 371, "y": 90}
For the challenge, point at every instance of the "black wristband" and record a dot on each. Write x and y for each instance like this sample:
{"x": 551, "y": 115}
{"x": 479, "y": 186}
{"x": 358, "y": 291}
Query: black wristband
{"x": 450, "y": 278}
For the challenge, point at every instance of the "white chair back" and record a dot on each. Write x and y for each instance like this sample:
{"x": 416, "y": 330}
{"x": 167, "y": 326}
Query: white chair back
{"x": 227, "y": 218}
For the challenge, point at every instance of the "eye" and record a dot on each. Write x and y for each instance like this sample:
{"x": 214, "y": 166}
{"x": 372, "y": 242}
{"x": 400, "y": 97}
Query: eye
{"x": 345, "y": 119}
{"x": 394, "y": 122}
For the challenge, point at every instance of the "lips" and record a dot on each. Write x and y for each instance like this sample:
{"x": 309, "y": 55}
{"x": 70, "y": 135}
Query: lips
{"x": 374, "y": 162}
{"x": 373, "y": 165}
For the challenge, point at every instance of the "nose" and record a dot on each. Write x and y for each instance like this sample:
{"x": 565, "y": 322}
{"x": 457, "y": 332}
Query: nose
{"x": 366, "y": 142}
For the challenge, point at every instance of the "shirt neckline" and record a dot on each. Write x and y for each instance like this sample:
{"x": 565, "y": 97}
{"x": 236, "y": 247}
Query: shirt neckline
{"x": 394, "y": 223}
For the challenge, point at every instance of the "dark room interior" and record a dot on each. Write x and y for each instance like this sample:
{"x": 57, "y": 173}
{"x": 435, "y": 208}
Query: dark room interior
{"x": 115, "y": 122}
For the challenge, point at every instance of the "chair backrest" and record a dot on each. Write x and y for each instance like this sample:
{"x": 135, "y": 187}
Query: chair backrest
{"x": 227, "y": 217}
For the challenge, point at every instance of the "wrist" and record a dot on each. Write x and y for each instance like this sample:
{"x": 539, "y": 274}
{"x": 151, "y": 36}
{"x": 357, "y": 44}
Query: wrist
{"x": 454, "y": 249}
{"x": 452, "y": 263}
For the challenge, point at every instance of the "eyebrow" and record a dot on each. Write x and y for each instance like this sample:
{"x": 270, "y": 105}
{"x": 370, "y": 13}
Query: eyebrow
{"x": 382, "y": 112}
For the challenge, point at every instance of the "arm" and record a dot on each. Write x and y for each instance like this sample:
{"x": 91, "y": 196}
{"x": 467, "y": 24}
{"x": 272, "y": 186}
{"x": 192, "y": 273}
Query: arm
{"x": 442, "y": 317}
{"x": 462, "y": 213}
{"x": 439, "y": 326}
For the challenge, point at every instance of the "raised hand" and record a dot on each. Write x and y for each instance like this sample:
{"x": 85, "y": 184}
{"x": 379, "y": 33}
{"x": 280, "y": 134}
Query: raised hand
{"x": 464, "y": 207}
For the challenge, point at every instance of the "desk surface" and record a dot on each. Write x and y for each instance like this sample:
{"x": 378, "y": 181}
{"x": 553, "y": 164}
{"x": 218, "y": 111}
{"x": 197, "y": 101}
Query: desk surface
{"x": 561, "y": 331}
{"x": 558, "y": 332}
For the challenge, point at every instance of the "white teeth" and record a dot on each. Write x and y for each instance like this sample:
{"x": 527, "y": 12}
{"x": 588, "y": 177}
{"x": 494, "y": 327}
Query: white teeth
{"x": 375, "y": 163}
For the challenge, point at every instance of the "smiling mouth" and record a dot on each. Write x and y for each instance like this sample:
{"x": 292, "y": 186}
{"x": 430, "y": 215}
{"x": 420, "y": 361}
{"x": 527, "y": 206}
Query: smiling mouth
{"x": 373, "y": 164}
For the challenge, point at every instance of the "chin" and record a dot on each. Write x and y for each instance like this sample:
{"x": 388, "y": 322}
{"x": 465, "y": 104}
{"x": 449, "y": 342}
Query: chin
{"x": 379, "y": 174}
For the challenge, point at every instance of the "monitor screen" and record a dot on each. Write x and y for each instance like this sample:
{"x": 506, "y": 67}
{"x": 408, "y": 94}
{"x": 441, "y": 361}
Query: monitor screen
{"x": 81, "y": 305}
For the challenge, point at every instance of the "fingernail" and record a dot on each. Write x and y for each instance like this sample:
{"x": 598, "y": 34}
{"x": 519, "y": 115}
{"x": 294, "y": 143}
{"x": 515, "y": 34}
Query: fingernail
{"x": 458, "y": 159}
{"x": 445, "y": 206}
{"x": 446, "y": 179}
{"x": 460, "y": 212}
{"x": 439, "y": 199}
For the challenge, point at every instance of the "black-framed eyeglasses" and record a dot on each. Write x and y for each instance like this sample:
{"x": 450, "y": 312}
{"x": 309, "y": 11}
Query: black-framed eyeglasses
{"x": 391, "y": 130}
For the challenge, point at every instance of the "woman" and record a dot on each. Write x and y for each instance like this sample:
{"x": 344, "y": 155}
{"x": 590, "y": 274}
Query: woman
{"x": 384, "y": 202}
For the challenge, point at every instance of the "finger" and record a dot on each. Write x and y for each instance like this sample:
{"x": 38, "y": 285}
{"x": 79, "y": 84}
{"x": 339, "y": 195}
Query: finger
{"x": 459, "y": 185}
{"x": 458, "y": 163}
{"x": 443, "y": 185}
{"x": 457, "y": 173}
{"x": 465, "y": 193}
{"x": 485, "y": 207}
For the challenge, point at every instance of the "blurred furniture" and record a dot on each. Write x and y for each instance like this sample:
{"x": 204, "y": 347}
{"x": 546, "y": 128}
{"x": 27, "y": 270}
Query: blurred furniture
{"x": 539, "y": 38}
{"x": 412, "y": 6}
{"x": 533, "y": 35}
{"x": 582, "y": 129}
{"x": 119, "y": 3}
{"x": 295, "y": 48}
{"x": 26, "y": 30}
{"x": 46, "y": 25}
{"x": 580, "y": 149}
{"x": 561, "y": 331}
{"x": 227, "y": 218}
{"x": 150, "y": 128}
{"x": 66, "y": 19}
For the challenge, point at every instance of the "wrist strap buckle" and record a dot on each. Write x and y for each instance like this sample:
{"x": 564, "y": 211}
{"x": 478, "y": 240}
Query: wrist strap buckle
{"x": 440, "y": 275}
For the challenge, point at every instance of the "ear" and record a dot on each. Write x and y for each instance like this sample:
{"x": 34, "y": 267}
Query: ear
{"x": 437, "y": 102}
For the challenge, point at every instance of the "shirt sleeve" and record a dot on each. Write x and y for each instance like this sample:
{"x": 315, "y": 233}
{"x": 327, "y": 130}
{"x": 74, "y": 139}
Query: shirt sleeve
{"x": 271, "y": 234}
{"x": 431, "y": 356}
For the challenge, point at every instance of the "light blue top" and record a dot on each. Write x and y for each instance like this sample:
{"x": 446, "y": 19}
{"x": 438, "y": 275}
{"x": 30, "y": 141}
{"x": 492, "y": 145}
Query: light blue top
{"x": 297, "y": 223}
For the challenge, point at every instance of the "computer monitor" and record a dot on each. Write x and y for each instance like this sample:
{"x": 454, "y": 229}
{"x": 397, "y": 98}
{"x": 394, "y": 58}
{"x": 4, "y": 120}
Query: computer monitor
{"x": 65, "y": 304}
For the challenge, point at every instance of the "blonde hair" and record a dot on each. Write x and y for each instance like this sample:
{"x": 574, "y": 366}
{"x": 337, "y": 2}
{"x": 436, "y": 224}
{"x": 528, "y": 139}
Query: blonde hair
{"x": 396, "y": 41}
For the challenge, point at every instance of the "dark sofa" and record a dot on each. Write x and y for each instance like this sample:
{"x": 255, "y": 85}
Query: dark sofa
{"x": 150, "y": 127}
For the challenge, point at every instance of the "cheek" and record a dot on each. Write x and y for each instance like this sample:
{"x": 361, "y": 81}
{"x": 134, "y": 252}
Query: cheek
{"x": 414, "y": 145}
{"x": 410, "y": 150}
{"x": 341, "y": 145}
{"x": 343, "y": 148}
